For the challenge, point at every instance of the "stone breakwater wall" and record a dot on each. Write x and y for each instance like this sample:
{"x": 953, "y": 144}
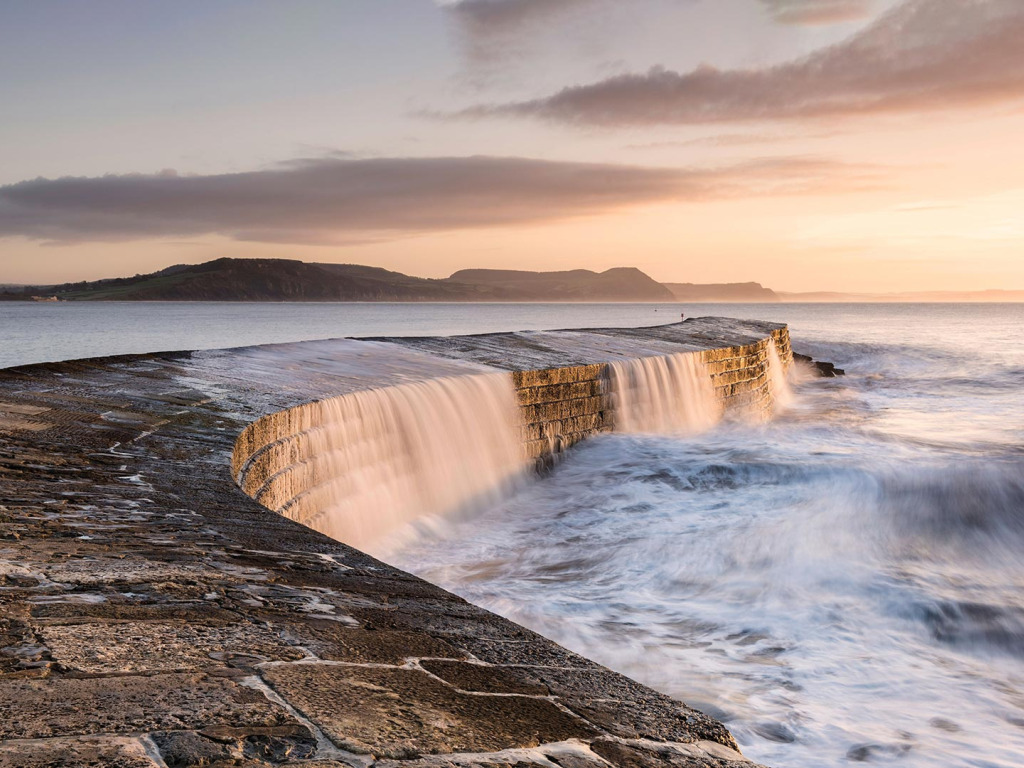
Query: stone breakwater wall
{"x": 152, "y": 615}
{"x": 560, "y": 407}
{"x": 278, "y": 461}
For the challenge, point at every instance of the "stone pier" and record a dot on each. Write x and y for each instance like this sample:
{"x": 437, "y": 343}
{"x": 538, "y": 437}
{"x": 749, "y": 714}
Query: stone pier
{"x": 153, "y": 614}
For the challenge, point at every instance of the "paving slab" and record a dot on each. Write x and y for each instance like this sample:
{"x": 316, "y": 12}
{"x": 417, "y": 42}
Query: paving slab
{"x": 405, "y": 713}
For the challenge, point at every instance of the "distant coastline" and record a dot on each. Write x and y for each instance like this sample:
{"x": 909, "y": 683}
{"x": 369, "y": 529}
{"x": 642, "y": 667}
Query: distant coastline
{"x": 284, "y": 280}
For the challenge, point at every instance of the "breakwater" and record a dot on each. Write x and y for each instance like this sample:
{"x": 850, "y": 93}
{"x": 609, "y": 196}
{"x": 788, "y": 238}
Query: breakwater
{"x": 156, "y": 615}
{"x": 361, "y": 466}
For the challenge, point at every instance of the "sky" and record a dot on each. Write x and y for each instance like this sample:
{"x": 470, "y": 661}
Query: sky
{"x": 840, "y": 145}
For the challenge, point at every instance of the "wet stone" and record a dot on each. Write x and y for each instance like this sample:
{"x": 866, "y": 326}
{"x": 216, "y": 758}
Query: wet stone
{"x": 101, "y": 752}
{"x": 539, "y": 652}
{"x": 70, "y": 706}
{"x": 334, "y": 641}
{"x": 481, "y": 678}
{"x": 404, "y": 713}
{"x": 94, "y": 572}
{"x": 112, "y": 611}
{"x": 653, "y": 755}
{"x": 275, "y": 744}
{"x": 151, "y": 646}
{"x": 624, "y": 707}
{"x": 185, "y": 749}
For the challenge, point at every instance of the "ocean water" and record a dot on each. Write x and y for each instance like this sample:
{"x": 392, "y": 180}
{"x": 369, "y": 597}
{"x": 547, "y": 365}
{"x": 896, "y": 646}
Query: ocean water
{"x": 44, "y": 332}
{"x": 842, "y": 585}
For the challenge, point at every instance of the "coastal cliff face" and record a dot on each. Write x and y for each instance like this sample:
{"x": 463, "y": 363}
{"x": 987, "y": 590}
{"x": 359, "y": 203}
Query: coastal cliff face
{"x": 290, "y": 280}
{"x": 152, "y": 614}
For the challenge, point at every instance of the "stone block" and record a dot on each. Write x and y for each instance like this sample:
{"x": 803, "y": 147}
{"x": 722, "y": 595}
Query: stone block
{"x": 405, "y": 713}
{"x": 481, "y": 678}
{"x": 335, "y": 641}
{"x": 625, "y": 708}
{"x": 557, "y": 392}
{"x": 108, "y": 752}
{"x": 549, "y": 376}
{"x": 33, "y": 709}
{"x": 152, "y": 646}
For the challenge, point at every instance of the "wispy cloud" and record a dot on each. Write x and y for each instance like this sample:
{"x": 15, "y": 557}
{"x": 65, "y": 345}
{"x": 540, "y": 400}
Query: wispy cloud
{"x": 814, "y": 12}
{"x": 923, "y": 55}
{"x": 332, "y": 200}
{"x": 490, "y": 17}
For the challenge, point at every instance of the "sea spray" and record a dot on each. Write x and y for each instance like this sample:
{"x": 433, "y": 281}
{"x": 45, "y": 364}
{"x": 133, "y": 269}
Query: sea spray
{"x": 668, "y": 394}
{"x": 387, "y": 458}
{"x": 782, "y": 393}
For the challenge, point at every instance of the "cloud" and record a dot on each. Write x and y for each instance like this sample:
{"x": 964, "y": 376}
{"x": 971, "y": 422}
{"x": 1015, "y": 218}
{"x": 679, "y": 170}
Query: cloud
{"x": 500, "y": 16}
{"x": 497, "y": 34}
{"x": 814, "y": 12}
{"x": 489, "y": 17}
{"x": 336, "y": 200}
{"x": 923, "y": 55}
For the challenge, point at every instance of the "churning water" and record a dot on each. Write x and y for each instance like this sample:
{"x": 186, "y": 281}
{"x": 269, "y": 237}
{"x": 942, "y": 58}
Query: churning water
{"x": 844, "y": 584}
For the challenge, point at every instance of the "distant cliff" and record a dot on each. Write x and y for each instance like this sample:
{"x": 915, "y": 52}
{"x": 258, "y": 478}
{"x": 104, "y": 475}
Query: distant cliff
{"x": 620, "y": 284}
{"x": 287, "y": 280}
{"x": 724, "y": 292}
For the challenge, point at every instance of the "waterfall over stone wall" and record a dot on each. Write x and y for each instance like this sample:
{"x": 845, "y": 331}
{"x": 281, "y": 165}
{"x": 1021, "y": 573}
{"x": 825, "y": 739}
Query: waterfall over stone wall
{"x": 671, "y": 393}
{"x": 363, "y": 466}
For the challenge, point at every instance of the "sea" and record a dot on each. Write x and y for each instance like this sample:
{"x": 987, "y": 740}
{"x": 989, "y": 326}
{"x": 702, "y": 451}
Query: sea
{"x": 841, "y": 585}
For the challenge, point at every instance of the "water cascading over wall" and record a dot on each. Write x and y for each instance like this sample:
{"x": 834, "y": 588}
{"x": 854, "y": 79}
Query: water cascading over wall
{"x": 671, "y": 394}
{"x": 362, "y": 466}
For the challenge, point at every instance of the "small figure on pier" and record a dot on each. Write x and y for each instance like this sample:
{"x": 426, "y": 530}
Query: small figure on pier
{"x": 682, "y": 315}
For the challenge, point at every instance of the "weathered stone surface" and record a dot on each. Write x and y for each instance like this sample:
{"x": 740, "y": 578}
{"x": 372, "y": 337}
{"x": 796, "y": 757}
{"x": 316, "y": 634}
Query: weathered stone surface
{"x": 481, "y": 678}
{"x": 625, "y": 708}
{"x": 32, "y": 709}
{"x": 183, "y": 749}
{"x": 158, "y": 646}
{"x": 101, "y": 752}
{"x": 638, "y": 754}
{"x": 338, "y": 642}
{"x": 404, "y": 713}
{"x": 274, "y": 744}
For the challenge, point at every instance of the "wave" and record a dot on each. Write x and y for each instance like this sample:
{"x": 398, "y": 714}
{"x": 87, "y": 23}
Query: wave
{"x": 975, "y": 627}
{"x": 971, "y": 504}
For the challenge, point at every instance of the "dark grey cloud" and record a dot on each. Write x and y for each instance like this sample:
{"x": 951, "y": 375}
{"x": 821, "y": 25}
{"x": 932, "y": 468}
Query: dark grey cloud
{"x": 923, "y": 55}
{"x": 497, "y": 36}
{"x": 492, "y": 16}
{"x": 336, "y": 200}
{"x": 812, "y": 12}
{"x": 500, "y": 16}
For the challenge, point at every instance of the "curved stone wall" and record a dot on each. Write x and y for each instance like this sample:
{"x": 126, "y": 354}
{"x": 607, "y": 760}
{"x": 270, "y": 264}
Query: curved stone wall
{"x": 283, "y": 460}
{"x": 157, "y": 616}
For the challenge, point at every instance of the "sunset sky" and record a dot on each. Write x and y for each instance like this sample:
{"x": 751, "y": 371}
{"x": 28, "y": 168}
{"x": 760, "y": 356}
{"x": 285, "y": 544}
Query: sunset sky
{"x": 852, "y": 145}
